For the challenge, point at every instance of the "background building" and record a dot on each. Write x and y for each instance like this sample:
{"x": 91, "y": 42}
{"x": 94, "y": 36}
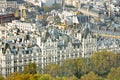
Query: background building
{"x": 3, "y": 31}
{"x": 15, "y": 53}
{"x": 68, "y": 2}
{"x": 48, "y": 2}
{"x": 42, "y": 2}
{"x": 12, "y": 4}
{"x": 22, "y": 26}
{"x": 3, "y": 5}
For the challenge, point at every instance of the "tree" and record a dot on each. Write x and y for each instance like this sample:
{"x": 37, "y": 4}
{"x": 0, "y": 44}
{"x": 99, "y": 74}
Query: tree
{"x": 24, "y": 77}
{"x": 46, "y": 77}
{"x": 68, "y": 67}
{"x": 103, "y": 61}
{"x": 73, "y": 78}
{"x": 91, "y": 76}
{"x": 37, "y": 76}
{"x": 66, "y": 78}
{"x": 1, "y": 77}
{"x": 53, "y": 70}
{"x": 30, "y": 68}
{"x": 114, "y": 74}
{"x": 13, "y": 76}
{"x": 20, "y": 76}
{"x": 118, "y": 60}
{"x": 81, "y": 66}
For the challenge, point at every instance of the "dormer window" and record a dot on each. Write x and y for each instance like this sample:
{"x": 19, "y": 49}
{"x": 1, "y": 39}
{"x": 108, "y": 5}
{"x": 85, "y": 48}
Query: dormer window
{"x": 7, "y": 52}
{"x": 27, "y": 52}
{"x": 38, "y": 50}
{"x": 20, "y": 55}
{"x": 13, "y": 47}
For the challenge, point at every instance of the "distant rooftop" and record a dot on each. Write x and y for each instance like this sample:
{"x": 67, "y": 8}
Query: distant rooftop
{"x": 20, "y": 1}
{"x": 11, "y": 0}
{"x": 3, "y": 28}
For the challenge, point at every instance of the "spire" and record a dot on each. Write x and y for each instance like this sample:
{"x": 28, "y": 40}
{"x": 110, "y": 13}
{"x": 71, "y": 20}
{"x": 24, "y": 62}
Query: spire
{"x": 22, "y": 13}
{"x": 63, "y": 5}
{"x": 16, "y": 14}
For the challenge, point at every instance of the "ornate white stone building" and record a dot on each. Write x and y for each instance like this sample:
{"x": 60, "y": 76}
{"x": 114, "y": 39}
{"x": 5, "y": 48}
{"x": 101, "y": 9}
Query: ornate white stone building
{"x": 57, "y": 46}
{"x": 15, "y": 53}
{"x": 3, "y": 5}
{"x": 48, "y": 46}
{"x": 42, "y": 2}
{"x": 22, "y": 26}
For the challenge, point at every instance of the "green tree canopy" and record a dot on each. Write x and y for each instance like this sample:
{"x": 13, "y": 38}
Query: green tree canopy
{"x": 81, "y": 66}
{"x": 46, "y": 77}
{"x": 114, "y": 74}
{"x": 30, "y": 68}
{"x": 13, "y": 76}
{"x": 103, "y": 61}
{"x": 1, "y": 77}
{"x": 91, "y": 76}
{"x": 53, "y": 69}
{"x": 68, "y": 67}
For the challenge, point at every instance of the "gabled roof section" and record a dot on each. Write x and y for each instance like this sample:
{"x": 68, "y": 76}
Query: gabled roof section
{"x": 6, "y": 46}
{"x": 20, "y": 1}
{"x": 86, "y": 31}
{"x": 54, "y": 35}
{"x": 45, "y": 36}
